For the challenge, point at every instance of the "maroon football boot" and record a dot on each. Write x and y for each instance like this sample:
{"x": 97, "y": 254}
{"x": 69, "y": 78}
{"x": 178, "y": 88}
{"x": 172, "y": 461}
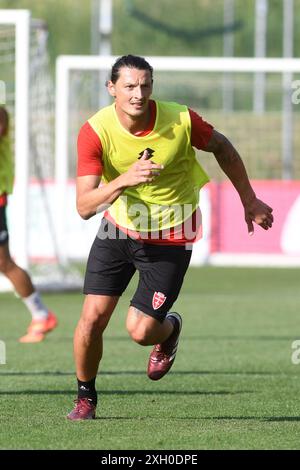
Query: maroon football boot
{"x": 163, "y": 355}
{"x": 84, "y": 409}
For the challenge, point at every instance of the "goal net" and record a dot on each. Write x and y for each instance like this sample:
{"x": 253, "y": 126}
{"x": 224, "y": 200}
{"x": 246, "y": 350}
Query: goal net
{"x": 222, "y": 91}
{"x": 27, "y": 91}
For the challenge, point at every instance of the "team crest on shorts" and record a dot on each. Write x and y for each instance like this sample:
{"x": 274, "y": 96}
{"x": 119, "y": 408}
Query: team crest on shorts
{"x": 158, "y": 300}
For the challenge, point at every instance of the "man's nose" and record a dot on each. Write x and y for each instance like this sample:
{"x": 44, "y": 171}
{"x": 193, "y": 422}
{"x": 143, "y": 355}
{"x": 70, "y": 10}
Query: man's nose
{"x": 138, "y": 92}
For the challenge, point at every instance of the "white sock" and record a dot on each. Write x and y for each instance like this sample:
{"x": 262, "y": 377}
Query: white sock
{"x": 35, "y": 306}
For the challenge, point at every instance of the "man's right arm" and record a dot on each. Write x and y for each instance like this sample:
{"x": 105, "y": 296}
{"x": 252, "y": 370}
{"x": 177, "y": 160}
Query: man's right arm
{"x": 92, "y": 198}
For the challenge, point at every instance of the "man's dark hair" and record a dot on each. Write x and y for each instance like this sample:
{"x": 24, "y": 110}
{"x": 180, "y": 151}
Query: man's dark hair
{"x": 131, "y": 61}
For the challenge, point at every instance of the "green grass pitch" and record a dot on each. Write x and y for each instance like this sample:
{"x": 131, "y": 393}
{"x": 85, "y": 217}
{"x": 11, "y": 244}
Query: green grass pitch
{"x": 233, "y": 384}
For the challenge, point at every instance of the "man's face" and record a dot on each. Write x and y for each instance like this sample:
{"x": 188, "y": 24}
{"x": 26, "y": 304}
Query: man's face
{"x": 132, "y": 91}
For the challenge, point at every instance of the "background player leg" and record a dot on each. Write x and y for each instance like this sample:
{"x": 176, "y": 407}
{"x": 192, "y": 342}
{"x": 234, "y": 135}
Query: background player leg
{"x": 43, "y": 321}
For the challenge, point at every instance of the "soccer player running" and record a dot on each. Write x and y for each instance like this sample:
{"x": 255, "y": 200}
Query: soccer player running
{"x": 43, "y": 321}
{"x": 142, "y": 149}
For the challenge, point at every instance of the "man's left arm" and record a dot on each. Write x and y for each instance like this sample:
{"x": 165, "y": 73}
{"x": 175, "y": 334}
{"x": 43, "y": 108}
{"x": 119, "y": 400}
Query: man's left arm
{"x": 232, "y": 165}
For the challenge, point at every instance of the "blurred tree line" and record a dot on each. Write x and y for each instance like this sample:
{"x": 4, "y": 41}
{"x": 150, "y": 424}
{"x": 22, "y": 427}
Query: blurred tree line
{"x": 163, "y": 27}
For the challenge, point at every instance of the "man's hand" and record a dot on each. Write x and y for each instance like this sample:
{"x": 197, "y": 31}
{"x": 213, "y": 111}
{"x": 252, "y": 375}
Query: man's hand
{"x": 143, "y": 171}
{"x": 260, "y": 213}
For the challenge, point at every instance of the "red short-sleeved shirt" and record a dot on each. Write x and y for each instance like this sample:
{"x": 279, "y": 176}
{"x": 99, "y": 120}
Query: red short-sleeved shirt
{"x": 90, "y": 161}
{"x": 3, "y": 200}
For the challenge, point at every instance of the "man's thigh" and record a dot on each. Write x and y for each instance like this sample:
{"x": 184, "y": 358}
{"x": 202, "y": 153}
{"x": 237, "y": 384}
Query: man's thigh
{"x": 109, "y": 268}
{"x": 161, "y": 274}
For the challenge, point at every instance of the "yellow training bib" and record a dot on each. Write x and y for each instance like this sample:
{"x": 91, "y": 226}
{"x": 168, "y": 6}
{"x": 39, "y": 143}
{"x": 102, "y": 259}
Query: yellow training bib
{"x": 6, "y": 166}
{"x": 174, "y": 195}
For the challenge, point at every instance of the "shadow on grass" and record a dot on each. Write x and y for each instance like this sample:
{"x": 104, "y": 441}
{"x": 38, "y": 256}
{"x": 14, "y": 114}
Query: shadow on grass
{"x": 125, "y": 392}
{"x": 283, "y": 418}
{"x": 253, "y": 418}
{"x": 142, "y": 372}
{"x": 59, "y": 338}
{"x": 211, "y": 418}
{"x": 217, "y": 337}
{"x": 213, "y": 338}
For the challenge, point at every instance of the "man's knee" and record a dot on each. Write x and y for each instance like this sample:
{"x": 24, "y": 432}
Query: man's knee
{"x": 141, "y": 336}
{"x": 95, "y": 321}
{"x": 95, "y": 315}
{"x": 90, "y": 327}
{"x": 140, "y": 327}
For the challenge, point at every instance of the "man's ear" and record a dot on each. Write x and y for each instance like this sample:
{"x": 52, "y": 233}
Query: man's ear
{"x": 111, "y": 88}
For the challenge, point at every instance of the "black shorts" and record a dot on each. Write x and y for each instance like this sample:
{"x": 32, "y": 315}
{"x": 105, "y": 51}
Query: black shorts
{"x": 3, "y": 226}
{"x": 113, "y": 261}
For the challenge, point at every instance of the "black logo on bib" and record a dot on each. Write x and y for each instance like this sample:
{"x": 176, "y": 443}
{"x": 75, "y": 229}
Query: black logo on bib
{"x": 150, "y": 153}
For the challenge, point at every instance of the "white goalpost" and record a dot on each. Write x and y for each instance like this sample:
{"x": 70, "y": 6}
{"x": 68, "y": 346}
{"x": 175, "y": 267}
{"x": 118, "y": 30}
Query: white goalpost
{"x": 73, "y": 80}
